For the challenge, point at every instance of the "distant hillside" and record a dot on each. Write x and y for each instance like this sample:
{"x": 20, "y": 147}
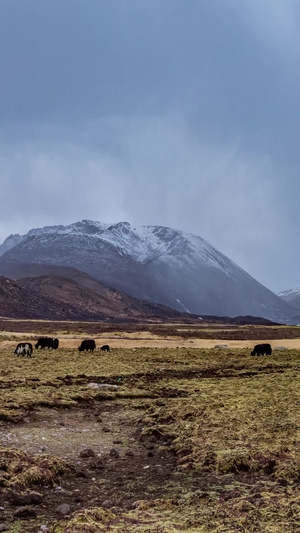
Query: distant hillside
{"x": 60, "y": 298}
{"x": 153, "y": 263}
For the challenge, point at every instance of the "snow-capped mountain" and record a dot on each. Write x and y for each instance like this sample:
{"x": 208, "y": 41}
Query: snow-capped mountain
{"x": 152, "y": 263}
{"x": 292, "y": 297}
{"x": 10, "y": 242}
{"x": 290, "y": 293}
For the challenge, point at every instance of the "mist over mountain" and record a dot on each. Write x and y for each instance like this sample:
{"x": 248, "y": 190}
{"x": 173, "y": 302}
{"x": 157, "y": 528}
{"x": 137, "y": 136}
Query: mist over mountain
{"x": 154, "y": 263}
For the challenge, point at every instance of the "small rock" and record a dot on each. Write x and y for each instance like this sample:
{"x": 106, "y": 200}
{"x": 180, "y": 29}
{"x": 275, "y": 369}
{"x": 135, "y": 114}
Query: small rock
{"x": 79, "y": 472}
{"x": 117, "y": 441}
{"x": 107, "y": 504}
{"x": 280, "y": 348}
{"x": 93, "y": 385}
{"x": 63, "y": 509}
{"x": 96, "y": 464}
{"x": 3, "y": 527}
{"x": 102, "y": 386}
{"x": 87, "y": 452}
{"x": 221, "y": 346}
{"x": 106, "y": 429}
{"x": 114, "y": 453}
{"x": 2, "y": 509}
{"x": 44, "y": 528}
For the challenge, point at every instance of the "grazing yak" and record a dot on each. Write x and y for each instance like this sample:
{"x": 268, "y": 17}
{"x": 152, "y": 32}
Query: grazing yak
{"x": 262, "y": 349}
{"x": 24, "y": 348}
{"x": 87, "y": 345}
{"x": 105, "y": 348}
{"x": 47, "y": 342}
{"x": 55, "y": 344}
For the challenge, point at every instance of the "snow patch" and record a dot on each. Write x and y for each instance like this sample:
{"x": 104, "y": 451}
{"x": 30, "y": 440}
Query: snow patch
{"x": 183, "y": 306}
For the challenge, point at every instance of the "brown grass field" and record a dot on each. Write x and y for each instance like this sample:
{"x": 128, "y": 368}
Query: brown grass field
{"x": 164, "y": 434}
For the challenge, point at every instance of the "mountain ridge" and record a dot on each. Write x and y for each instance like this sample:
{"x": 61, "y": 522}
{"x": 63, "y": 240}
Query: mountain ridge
{"x": 153, "y": 263}
{"x": 292, "y": 297}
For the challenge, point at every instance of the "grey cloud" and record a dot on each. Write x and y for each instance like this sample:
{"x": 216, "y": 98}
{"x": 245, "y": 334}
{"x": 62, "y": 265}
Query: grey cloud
{"x": 276, "y": 24}
{"x": 161, "y": 175}
{"x": 164, "y": 112}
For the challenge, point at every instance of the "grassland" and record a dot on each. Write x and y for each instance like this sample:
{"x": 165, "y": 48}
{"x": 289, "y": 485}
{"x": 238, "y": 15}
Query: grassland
{"x": 184, "y": 439}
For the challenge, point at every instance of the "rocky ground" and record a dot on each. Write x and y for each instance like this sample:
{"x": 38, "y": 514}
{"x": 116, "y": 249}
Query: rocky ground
{"x": 109, "y": 464}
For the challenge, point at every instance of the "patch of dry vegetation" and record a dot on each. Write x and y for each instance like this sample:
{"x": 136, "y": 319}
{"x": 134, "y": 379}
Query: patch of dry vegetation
{"x": 21, "y": 470}
{"x": 156, "y": 517}
{"x": 231, "y": 421}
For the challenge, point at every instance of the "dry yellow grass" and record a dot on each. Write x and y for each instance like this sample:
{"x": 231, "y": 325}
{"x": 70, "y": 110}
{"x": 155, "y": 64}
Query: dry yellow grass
{"x": 149, "y": 340}
{"x": 231, "y": 422}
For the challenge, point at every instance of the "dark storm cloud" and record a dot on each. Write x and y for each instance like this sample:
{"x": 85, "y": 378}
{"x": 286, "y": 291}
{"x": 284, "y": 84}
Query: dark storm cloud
{"x": 164, "y": 112}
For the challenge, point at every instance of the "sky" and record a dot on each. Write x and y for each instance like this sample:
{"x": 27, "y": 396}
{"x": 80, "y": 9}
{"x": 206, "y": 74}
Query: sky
{"x": 182, "y": 113}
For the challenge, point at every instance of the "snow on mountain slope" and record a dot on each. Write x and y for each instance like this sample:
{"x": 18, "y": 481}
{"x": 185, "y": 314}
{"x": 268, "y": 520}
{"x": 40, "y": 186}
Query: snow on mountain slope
{"x": 85, "y": 227}
{"x": 153, "y": 263}
{"x": 10, "y": 242}
{"x": 289, "y": 293}
{"x": 292, "y": 297}
{"x": 142, "y": 243}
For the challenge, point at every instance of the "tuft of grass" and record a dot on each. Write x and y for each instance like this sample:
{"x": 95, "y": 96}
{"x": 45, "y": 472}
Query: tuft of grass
{"x": 18, "y": 469}
{"x": 160, "y": 516}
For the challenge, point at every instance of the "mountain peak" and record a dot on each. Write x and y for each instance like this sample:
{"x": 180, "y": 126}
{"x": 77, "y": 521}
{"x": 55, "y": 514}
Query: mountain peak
{"x": 154, "y": 263}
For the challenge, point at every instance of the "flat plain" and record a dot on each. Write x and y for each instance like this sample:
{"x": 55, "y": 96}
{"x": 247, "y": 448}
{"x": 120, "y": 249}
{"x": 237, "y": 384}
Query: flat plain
{"x": 165, "y": 433}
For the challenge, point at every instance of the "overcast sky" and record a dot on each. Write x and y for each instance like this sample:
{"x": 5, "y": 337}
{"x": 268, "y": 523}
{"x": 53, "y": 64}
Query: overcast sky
{"x": 184, "y": 113}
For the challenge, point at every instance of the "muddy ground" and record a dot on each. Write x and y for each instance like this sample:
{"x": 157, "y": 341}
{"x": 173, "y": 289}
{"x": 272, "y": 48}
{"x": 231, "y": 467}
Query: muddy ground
{"x": 118, "y": 468}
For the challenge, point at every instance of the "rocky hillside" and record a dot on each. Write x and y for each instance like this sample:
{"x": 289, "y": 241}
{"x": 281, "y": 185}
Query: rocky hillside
{"x": 153, "y": 263}
{"x": 60, "y": 298}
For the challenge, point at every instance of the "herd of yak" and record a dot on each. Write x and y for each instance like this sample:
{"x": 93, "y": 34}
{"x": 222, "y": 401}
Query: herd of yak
{"x": 89, "y": 345}
{"x": 26, "y": 348}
